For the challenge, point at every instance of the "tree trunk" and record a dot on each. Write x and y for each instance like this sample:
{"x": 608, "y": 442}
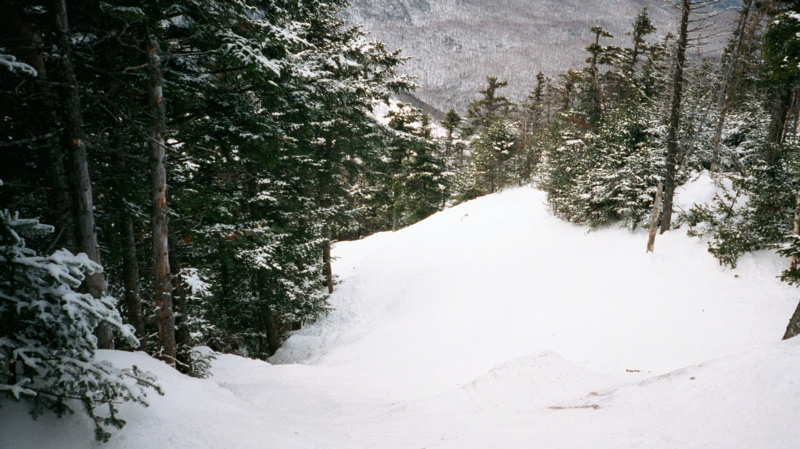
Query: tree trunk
{"x": 75, "y": 143}
{"x": 675, "y": 120}
{"x": 794, "y": 325}
{"x": 59, "y": 203}
{"x": 273, "y": 343}
{"x": 795, "y": 125}
{"x": 162, "y": 283}
{"x": 326, "y": 260}
{"x": 179, "y": 300}
{"x": 796, "y": 227}
{"x": 28, "y": 46}
{"x": 727, "y": 83}
{"x": 780, "y": 106}
{"x": 132, "y": 287}
{"x": 651, "y": 241}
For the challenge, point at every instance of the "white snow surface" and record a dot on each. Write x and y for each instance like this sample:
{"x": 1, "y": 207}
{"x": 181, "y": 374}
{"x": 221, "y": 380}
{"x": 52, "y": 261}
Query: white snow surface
{"x": 495, "y": 325}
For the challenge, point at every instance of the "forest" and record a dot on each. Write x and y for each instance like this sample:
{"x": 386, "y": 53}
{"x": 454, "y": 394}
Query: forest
{"x": 174, "y": 172}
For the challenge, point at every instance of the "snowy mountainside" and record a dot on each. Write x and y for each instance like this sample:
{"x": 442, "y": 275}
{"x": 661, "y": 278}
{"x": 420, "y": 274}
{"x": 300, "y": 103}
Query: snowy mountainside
{"x": 455, "y": 44}
{"x": 493, "y": 324}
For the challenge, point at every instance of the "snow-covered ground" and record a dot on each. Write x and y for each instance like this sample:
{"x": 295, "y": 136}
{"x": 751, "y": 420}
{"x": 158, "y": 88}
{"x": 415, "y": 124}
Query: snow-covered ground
{"x": 495, "y": 325}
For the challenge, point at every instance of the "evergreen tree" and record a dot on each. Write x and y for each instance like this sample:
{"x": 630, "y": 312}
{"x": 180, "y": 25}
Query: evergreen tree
{"x": 452, "y": 122}
{"x": 493, "y": 148}
{"x": 47, "y": 346}
{"x": 414, "y": 182}
{"x": 483, "y": 111}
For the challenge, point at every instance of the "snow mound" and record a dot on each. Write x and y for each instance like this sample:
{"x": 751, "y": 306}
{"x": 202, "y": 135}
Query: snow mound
{"x": 442, "y": 302}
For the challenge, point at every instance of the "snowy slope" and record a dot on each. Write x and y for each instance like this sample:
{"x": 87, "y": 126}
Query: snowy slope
{"x": 493, "y": 324}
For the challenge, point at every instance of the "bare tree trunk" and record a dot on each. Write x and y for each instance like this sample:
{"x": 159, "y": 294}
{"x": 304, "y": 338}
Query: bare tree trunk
{"x": 132, "y": 287}
{"x": 675, "y": 119}
{"x": 269, "y": 342}
{"x": 651, "y": 241}
{"x": 162, "y": 283}
{"x": 75, "y": 142}
{"x": 795, "y": 127}
{"x": 727, "y": 83}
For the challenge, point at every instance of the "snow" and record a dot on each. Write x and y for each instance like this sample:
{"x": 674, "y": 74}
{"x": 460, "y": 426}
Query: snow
{"x": 493, "y": 324}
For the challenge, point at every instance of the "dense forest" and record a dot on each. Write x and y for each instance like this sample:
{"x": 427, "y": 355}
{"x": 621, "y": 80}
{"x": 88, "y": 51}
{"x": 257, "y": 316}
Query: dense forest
{"x": 175, "y": 172}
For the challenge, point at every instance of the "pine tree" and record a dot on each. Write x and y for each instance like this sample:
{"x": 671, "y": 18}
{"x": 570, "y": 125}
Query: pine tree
{"x": 493, "y": 148}
{"x": 452, "y": 122}
{"x": 483, "y": 111}
{"x": 47, "y": 346}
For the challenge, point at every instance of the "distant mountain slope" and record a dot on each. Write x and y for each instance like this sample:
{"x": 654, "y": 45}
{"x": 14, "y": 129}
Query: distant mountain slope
{"x": 455, "y": 44}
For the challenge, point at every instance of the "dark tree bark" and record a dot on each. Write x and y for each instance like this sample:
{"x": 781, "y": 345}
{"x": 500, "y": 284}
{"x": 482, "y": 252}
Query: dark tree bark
{"x": 794, "y": 325}
{"x": 179, "y": 299}
{"x": 75, "y": 143}
{"x": 779, "y": 109}
{"x": 59, "y": 202}
{"x": 325, "y": 183}
{"x": 326, "y": 260}
{"x": 269, "y": 342}
{"x": 131, "y": 282}
{"x": 675, "y": 119}
{"x": 273, "y": 342}
{"x": 162, "y": 282}
{"x": 26, "y": 42}
{"x": 23, "y": 36}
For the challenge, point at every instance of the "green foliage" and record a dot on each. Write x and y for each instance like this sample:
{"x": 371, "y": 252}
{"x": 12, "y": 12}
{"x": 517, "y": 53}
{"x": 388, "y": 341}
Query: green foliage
{"x": 47, "y": 349}
{"x": 485, "y": 110}
{"x": 493, "y": 148}
{"x": 782, "y": 43}
{"x": 412, "y": 182}
{"x": 607, "y": 156}
{"x": 756, "y": 212}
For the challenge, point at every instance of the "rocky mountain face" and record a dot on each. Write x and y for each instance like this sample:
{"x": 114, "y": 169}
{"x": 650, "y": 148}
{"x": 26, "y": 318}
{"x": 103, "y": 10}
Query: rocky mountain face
{"x": 455, "y": 44}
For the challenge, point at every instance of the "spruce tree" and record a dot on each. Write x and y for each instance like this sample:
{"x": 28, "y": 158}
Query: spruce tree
{"x": 47, "y": 346}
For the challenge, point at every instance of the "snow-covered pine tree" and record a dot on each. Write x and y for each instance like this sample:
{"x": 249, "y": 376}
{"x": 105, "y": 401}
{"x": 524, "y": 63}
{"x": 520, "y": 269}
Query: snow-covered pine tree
{"x": 493, "y": 147}
{"x": 607, "y": 170}
{"x": 411, "y": 180}
{"x": 286, "y": 91}
{"x": 47, "y": 345}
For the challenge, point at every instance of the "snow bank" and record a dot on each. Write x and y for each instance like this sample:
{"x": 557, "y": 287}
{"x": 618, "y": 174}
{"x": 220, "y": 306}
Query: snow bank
{"x": 444, "y": 301}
